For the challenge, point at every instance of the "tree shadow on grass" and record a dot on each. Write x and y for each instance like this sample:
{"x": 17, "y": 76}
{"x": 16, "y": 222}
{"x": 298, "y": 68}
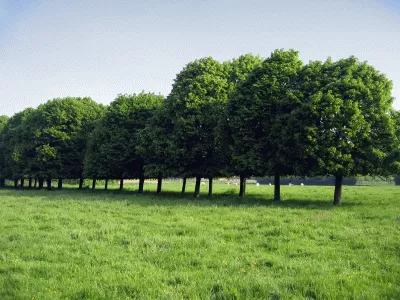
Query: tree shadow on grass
{"x": 171, "y": 198}
{"x": 258, "y": 200}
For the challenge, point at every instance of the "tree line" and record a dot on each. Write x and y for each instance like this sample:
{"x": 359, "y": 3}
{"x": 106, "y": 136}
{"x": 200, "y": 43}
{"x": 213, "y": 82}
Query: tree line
{"x": 250, "y": 116}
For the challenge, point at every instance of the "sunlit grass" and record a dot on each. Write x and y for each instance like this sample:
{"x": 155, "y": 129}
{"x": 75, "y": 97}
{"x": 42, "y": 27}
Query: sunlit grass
{"x": 109, "y": 245}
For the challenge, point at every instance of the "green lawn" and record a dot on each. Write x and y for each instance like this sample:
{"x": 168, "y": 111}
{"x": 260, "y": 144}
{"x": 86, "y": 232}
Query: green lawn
{"x": 74, "y": 244}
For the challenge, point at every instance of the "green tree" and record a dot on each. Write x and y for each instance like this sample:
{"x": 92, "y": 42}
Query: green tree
{"x": 195, "y": 106}
{"x": 96, "y": 163}
{"x": 157, "y": 148}
{"x": 55, "y": 138}
{"x": 394, "y": 159}
{"x": 18, "y": 148}
{"x": 3, "y": 143}
{"x": 261, "y": 119}
{"x": 239, "y": 71}
{"x": 346, "y": 113}
{"x": 84, "y": 117}
{"x": 111, "y": 151}
{"x": 3, "y": 122}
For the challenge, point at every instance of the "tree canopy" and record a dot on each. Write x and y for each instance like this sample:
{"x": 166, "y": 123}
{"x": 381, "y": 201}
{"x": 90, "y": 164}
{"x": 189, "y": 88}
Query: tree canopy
{"x": 195, "y": 106}
{"x": 111, "y": 151}
{"x": 245, "y": 117}
{"x": 3, "y": 149}
{"x": 346, "y": 111}
{"x": 15, "y": 146}
{"x": 261, "y": 118}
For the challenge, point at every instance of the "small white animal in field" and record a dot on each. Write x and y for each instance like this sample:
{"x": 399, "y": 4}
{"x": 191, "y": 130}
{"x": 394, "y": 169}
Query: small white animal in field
{"x": 257, "y": 184}
{"x": 302, "y": 184}
{"x": 203, "y": 183}
{"x": 290, "y": 184}
{"x": 270, "y": 184}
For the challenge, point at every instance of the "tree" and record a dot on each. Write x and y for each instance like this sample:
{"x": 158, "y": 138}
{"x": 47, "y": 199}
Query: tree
{"x": 394, "y": 158}
{"x": 195, "y": 106}
{"x": 16, "y": 146}
{"x": 239, "y": 70}
{"x": 96, "y": 163}
{"x": 85, "y": 115}
{"x": 58, "y": 134}
{"x": 3, "y": 143}
{"x": 3, "y": 122}
{"x": 111, "y": 151}
{"x": 156, "y": 147}
{"x": 346, "y": 113}
{"x": 261, "y": 119}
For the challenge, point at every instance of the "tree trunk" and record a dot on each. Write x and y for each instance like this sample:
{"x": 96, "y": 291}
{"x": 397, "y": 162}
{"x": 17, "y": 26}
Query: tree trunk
{"x": 41, "y": 181}
{"x": 30, "y": 183}
{"x": 35, "y": 184}
{"x": 80, "y": 183}
{"x": 159, "y": 185}
{"x": 22, "y": 182}
{"x": 141, "y": 184}
{"x": 337, "y": 198}
{"x": 16, "y": 183}
{"x": 183, "y": 185}
{"x": 210, "y": 186}
{"x": 60, "y": 183}
{"x": 94, "y": 183}
{"x": 121, "y": 184}
{"x": 277, "y": 188}
{"x": 48, "y": 180}
{"x": 106, "y": 185}
{"x": 197, "y": 187}
{"x": 242, "y": 186}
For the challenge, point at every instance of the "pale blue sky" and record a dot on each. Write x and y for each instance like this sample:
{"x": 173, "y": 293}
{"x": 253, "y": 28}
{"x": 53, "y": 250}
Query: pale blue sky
{"x": 59, "y": 48}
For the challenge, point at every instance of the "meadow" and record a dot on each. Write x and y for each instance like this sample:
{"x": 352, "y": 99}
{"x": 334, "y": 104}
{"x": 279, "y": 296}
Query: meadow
{"x": 73, "y": 244}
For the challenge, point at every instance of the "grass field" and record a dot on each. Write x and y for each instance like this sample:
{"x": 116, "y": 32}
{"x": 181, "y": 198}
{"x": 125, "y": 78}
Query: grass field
{"x": 74, "y": 244}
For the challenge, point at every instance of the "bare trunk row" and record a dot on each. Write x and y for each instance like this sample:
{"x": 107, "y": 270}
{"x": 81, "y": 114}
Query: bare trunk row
{"x": 39, "y": 182}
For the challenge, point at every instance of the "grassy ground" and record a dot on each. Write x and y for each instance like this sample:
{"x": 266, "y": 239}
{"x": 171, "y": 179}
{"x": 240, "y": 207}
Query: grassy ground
{"x": 108, "y": 245}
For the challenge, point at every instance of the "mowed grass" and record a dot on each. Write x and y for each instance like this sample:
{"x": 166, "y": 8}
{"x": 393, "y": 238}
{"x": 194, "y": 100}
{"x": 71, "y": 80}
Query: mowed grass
{"x": 74, "y": 244}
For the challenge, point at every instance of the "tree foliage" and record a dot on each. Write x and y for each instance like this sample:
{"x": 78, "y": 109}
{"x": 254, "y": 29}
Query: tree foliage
{"x": 59, "y": 133}
{"x": 346, "y": 111}
{"x": 3, "y": 148}
{"x": 261, "y": 118}
{"x": 15, "y": 146}
{"x": 111, "y": 151}
{"x": 394, "y": 158}
{"x": 245, "y": 117}
{"x": 195, "y": 106}
{"x": 155, "y": 145}
{"x": 239, "y": 71}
